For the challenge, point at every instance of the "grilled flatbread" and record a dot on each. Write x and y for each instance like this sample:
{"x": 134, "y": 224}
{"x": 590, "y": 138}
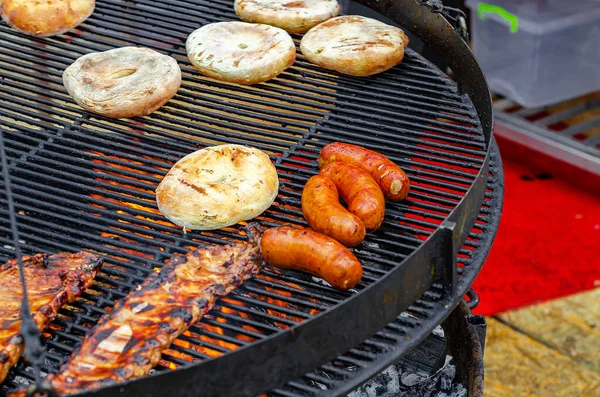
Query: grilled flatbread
{"x": 294, "y": 16}
{"x": 217, "y": 187}
{"x": 45, "y": 18}
{"x": 354, "y": 45}
{"x": 123, "y": 82}
{"x": 239, "y": 52}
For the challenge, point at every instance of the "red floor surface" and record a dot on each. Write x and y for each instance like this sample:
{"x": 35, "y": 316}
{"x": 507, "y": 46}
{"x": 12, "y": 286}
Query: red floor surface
{"x": 548, "y": 243}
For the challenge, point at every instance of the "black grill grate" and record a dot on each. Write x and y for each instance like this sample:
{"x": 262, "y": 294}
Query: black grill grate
{"x": 85, "y": 182}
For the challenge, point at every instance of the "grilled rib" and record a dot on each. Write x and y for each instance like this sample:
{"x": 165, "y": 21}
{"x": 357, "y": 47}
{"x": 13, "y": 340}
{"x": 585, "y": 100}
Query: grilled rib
{"x": 52, "y": 281}
{"x": 129, "y": 340}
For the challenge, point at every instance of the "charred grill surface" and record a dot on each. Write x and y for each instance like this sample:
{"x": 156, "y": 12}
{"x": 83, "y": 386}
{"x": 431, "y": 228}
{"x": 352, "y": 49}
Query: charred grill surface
{"x": 130, "y": 340}
{"x": 52, "y": 281}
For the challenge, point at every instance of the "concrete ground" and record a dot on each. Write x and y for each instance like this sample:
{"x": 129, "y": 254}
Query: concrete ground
{"x": 546, "y": 350}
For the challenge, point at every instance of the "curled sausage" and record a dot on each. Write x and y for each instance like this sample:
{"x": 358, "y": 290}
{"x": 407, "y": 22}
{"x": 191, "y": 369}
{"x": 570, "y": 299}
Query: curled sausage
{"x": 312, "y": 252}
{"x": 324, "y": 213}
{"x": 392, "y": 180}
{"x": 360, "y": 192}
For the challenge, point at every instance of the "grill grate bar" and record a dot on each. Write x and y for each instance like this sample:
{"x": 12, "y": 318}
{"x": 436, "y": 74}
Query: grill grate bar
{"x": 243, "y": 331}
{"x": 285, "y": 298}
{"x": 436, "y": 171}
{"x": 182, "y": 12}
{"x": 209, "y": 130}
{"x": 51, "y": 237}
{"x": 113, "y": 230}
{"x": 356, "y": 139}
{"x": 432, "y": 178}
{"x": 200, "y": 342}
{"x": 438, "y": 104}
{"x": 198, "y": 356}
{"x": 307, "y": 283}
{"x": 435, "y": 197}
{"x": 266, "y": 327}
{"x": 305, "y": 388}
{"x": 258, "y": 313}
{"x": 437, "y": 175}
{"x": 310, "y": 294}
{"x": 415, "y": 175}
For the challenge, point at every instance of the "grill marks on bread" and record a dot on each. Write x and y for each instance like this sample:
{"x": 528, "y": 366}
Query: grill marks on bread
{"x": 239, "y": 52}
{"x": 123, "y": 82}
{"x": 297, "y": 16}
{"x": 354, "y": 45}
{"x": 217, "y": 187}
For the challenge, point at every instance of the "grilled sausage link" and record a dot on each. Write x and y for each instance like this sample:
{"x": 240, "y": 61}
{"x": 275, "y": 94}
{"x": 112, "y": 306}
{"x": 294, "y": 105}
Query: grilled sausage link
{"x": 359, "y": 190}
{"x": 309, "y": 251}
{"x": 393, "y": 181}
{"x": 324, "y": 213}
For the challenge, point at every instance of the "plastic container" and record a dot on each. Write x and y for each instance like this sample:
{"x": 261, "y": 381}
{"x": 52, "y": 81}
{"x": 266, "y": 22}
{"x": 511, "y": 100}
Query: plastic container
{"x": 538, "y": 52}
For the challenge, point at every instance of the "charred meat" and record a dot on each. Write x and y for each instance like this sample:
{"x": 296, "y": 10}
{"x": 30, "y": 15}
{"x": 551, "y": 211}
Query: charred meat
{"x": 52, "y": 281}
{"x": 129, "y": 341}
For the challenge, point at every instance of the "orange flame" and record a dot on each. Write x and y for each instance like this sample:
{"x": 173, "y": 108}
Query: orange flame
{"x": 122, "y": 167}
{"x": 278, "y": 291}
{"x": 277, "y": 281}
{"x": 245, "y": 338}
{"x": 233, "y": 301}
{"x": 167, "y": 364}
{"x": 127, "y": 204}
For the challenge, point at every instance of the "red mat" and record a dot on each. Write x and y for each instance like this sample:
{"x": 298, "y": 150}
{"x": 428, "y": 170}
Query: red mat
{"x": 548, "y": 243}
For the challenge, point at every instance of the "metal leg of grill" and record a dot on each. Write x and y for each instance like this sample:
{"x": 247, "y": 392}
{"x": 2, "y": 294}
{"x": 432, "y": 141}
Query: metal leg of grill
{"x": 466, "y": 338}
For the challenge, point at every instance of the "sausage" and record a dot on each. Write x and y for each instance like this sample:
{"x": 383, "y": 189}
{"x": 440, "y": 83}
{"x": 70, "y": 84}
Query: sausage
{"x": 393, "y": 181}
{"x": 312, "y": 252}
{"x": 360, "y": 192}
{"x": 324, "y": 213}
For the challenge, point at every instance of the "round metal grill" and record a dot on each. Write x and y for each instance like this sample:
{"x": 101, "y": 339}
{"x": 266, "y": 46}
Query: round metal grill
{"x": 85, "y": 182}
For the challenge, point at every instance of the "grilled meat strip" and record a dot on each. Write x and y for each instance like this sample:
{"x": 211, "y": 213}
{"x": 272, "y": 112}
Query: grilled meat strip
{"x": 52, "y": 281}
{"x": 129, "y": 340}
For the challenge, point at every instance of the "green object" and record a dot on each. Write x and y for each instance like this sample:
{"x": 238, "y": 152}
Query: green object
{"x": 484, "y": 8}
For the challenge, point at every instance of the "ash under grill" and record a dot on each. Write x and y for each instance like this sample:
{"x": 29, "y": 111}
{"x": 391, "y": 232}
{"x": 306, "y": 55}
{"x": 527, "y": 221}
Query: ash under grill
{"x": 85, "y": 182}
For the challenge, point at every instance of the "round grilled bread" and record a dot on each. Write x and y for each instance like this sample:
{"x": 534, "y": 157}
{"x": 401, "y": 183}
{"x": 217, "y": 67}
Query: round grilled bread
{"x": 354, "y": 45}
{"x": 217, "y": 187}
{"x": 239, "y": 52}
{"x": 124, "y": 82}
{"x": 45, "y": 18}
{"x": 294, "y": 16}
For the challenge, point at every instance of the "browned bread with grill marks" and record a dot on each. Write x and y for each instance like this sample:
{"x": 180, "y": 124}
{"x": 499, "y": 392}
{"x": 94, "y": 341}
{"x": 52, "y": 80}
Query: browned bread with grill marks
{"x": 293, "y": 16}
{"x": 44, "y": 18}
{"x": 218, "y": 186}
{"x": 124, "y": 82}
{"x": 354, "y": 45}
{"x": 240, "y": 52}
